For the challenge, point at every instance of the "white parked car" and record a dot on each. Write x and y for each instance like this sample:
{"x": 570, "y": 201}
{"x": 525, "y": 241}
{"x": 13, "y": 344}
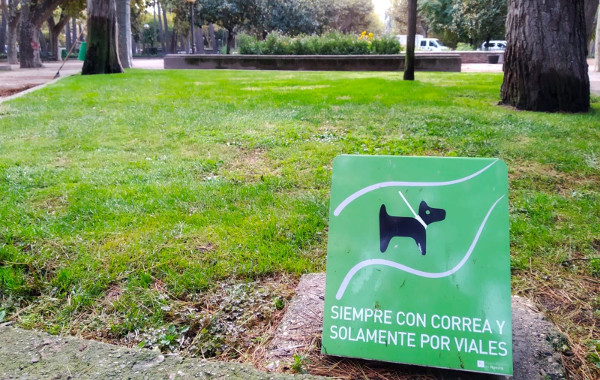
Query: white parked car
{"x": 431, "y": 44}
{"x": 494, "y": 45}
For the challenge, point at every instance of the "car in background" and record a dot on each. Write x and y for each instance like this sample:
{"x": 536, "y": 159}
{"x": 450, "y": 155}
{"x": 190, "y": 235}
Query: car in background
{"x": 431, "y": 44}
{"x": 422, "y": 43}
{"x": 494, "y": 45}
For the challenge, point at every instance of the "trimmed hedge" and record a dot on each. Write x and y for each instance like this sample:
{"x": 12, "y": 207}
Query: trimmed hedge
{"x": 327, "y": 44}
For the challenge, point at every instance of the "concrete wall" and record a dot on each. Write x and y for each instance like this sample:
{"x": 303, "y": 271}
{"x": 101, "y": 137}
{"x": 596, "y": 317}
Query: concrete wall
{"x": 423, "y": 62}
{"x": 470, "y": 56}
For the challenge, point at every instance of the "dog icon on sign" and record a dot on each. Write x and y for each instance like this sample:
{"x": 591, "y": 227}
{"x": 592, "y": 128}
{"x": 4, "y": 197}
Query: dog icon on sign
{"x": 415, "y": 228}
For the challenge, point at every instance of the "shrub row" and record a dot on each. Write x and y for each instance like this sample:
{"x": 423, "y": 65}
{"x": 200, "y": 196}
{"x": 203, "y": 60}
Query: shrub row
{"x": 328, "y": 44}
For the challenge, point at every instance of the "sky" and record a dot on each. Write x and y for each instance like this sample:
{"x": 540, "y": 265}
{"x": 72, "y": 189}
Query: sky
{"x": 380, "y": 7}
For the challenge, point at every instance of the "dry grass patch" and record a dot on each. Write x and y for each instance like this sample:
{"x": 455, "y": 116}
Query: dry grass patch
{"x": 571, "y": 300}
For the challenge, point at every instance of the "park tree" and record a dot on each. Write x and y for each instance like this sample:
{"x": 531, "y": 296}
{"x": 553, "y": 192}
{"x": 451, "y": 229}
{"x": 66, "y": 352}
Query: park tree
{"x": 464, "y": 20}
{"x": 12, "y": 10}
{"x": 409, "y": 60}
{"x": 439, "y": 16}
{"x": 56, "y": 24}
{"x": 33, "y": 14}
{"x": 124, "y": 30}
{"x": 232, "y": 15}
{"x": 545, "y": 65}
{"x": 102, "y": 56}
{"x": 350, "y": 16}
{"x": 59, "y": 19}
{"x": 398, "y": 11}
{"x": 293, "y": 17}
{"x": 479, "y": 20}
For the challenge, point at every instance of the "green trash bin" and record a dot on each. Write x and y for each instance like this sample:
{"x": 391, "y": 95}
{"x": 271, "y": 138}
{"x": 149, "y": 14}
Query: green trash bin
{"x": 82, "y": 50}
{"x": 63, "y": 53}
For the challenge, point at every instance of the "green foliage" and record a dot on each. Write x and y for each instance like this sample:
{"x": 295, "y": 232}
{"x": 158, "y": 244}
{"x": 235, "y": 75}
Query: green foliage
{"x": 465, "y": 20}
{"x": 293, "y": 17}
{"x": 299, "y": 364}
{"x": 594, "y": 354}
{"x": 279, "y": 303}
{"x": 328, "y": 44}
{"x": 461, "y": 46}
{"x": 385, "y": 45}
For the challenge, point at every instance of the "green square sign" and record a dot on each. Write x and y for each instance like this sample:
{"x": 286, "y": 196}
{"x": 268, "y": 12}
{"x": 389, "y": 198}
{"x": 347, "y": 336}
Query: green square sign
{"x": 418, "y": 266}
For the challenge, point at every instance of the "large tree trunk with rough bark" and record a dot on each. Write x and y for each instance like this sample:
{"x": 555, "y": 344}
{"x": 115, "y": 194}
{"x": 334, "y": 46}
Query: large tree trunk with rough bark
{"x": 409, "y": 59}
{"x": 33, "y": 14}
{"x": 545, "y": 66}
{"x": 124, "y": 22}
{"x": 102, "y": 56}
{"x": 29, "y": 44}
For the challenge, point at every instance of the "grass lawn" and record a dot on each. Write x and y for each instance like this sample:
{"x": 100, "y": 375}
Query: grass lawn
{"x": 176, "y": 209}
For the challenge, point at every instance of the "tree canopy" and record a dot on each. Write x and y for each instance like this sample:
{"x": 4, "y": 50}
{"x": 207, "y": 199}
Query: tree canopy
{"x": 465, "y": 20}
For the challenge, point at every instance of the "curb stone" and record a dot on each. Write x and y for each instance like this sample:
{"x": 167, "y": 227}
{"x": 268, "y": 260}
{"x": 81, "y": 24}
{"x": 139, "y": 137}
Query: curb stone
{"x": 36, "y": 355}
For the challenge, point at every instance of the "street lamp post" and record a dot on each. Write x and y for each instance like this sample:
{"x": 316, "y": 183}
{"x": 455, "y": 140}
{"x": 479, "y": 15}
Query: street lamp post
{"x": 193, "y": 46}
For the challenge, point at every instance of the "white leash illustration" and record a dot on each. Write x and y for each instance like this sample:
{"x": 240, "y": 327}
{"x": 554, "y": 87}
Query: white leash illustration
{"x": 416, "y": 272}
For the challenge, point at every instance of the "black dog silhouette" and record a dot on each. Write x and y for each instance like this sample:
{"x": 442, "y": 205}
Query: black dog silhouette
{"x": 391, "y": 226}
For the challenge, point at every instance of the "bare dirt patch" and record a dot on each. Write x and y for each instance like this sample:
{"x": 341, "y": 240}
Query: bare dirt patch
{"x": 4, "y": 92}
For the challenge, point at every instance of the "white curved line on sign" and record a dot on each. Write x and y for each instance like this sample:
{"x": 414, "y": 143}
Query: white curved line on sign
{"x": 416, "y": 272}
{"x": 381, "y": 185}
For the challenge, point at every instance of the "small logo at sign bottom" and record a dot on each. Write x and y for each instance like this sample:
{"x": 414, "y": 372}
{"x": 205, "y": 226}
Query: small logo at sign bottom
{"x": 480, "y": 364}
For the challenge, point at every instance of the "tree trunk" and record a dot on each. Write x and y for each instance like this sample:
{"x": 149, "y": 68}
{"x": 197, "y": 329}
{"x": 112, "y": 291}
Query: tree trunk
{"x": 229, "y": 40}
{"x": 213, "y": 40}
{"x": 13, "y": 18}
{"x": 124, "y": 22}
{"x": 29, "y": 44}
{"x": 409, "y": 62}
{"x": 68, "y": 41}
{"x": 161, "y": 30}
{"x": 3, "y": 31}
{"x": 545, "y": 66}
{"x": 102, "y": 56}
{"x": 591, "y": 6}
{"x": 54, "y": 45}
{"x": 174, "y": 38}
{"x": 597, "y": 53}
{"x": 199, "y": 41}
{"x": 166, "y": 29}
{"x": 11, "y": 37}
{"x": 55, "y": 29}
{"x": 42, "y": 40}
{"x": 74, "y": 31}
